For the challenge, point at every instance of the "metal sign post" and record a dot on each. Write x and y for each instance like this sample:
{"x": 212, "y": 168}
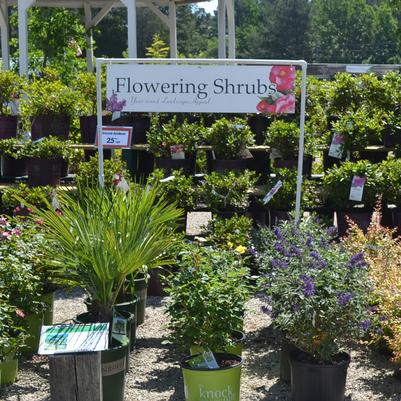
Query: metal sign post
{"x": 206, "y": 62}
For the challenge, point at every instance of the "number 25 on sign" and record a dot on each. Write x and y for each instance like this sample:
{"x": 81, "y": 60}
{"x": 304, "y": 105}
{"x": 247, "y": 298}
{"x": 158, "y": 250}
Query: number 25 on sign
{"x": 116, "y": 137}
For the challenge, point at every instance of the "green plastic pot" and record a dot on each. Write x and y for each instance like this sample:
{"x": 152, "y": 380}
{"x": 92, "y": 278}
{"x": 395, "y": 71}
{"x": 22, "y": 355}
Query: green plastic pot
{"x": 130, "y": 306}
{"x": 113, "y": 371}
{"x": 236, "y": 348}
{"x": 8, "y": 369}
{"x": 141, "y": 288}
{"x": 212, "y": 384}
{"x": 34, "y": 326}
{"x": 48, "y": 299}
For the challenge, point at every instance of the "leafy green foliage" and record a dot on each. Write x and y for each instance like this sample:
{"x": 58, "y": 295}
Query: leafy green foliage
{"x": 161, "y": 136}
{"x": 9, "y": 147}
{"x": 284, "y": 136}
{"x": 102, "y": 236}
{"x": 182, "y": 190}
{"x": 158, "y": 48}
{"x": 318, "y": 294}
{"x": 207, "y": 298}
{"x": 228, "y": 191}
{"x": 11, "y": 87}
{"x": 230, "y": 138}
{"x": 48, "y": 148}
{"x": 85, "y": 87}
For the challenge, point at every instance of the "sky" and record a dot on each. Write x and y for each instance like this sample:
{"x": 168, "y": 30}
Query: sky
{"x": 209, "y": 6}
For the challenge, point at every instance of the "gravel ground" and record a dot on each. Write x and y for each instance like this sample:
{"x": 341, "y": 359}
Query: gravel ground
{"x": 154, "y": 373}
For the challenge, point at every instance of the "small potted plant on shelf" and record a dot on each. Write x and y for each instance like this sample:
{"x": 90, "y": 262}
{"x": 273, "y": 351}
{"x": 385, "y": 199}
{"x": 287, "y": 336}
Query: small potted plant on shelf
{"x": 174, "y": 145}
{"x": 44, "y": 160}
{"x": 11, "y": 87}
{"x": 229, "y": 139}
{"x": 283, "y": 137}
{"x": 50, "y": 105}
{"x": 206, "y": 309}
{"x": 318, "y": 295}
{"x": 227, "y": 193}
{"x": 13, "y": 163}
{"x": 351, "y": 189}
{"x": 100, "y": 238}
{"x": 12, "y": 340}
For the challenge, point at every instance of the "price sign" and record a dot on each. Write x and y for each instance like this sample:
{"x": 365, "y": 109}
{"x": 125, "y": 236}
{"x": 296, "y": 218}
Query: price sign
{"x": 116, "y": 137}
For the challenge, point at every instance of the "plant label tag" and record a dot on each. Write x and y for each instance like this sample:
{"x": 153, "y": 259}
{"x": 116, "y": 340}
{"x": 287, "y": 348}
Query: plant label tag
{"x": 239, "y": 126}
{"x": 115, "y": 137}
{"x": 198, "y": 362}
{"x": 337, "y": 146}
{"x": 119, "y": 329}
{"x": 177, "y": 152}
{"x": 171, "y": 178}
{"x": 210, "y": 360}
{"x": 121, "y": 183}
{"x": 272, "y": 192}
{"x": 116, "y": 115}
{"x": 39, "y": 140}
{"x": 14, "y": 107}
{"x": 357, "y": 185}
{"x": 348, "y": 157}
{"x": 213, "y": 155}
{"x": 275, "y": 154}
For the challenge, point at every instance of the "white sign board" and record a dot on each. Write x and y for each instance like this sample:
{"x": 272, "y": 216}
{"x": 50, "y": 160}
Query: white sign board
{"x": 201, "y": 88}
{"x": 116, "y": 137}
{"x": 66, "y": 338}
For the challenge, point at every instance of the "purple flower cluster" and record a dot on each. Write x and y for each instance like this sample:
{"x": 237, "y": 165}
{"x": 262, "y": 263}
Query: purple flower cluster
{"x": 267, "y": 309}
{"x": 296, "y": 308}
{"x": 365, "y": 324}
{"x": 343, "y": 298}
{"x": 318, "y": 261}
{"x": 277, "y": 232}
{"x": 278, "y": 246}
{"x": 309, "y": 241}
{"x": 332, "y": 231}
{"x": 279, "y": 264}
{"x": 357, "y": 261}
{"x": 295, "y": 251}
{"x": 113, "y": 104}
{"x": 308, "y": 285}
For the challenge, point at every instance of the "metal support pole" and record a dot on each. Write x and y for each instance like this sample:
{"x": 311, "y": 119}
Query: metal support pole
{"x": 221, "y": 28}
{"x": 5, "y": 48}
{"x": 23, "y": 6}
{"x": 172, "y": 14}
{"x": 231, "y": 29}
{"x": 132, "y": 38}
{"x": 89, "y": 38}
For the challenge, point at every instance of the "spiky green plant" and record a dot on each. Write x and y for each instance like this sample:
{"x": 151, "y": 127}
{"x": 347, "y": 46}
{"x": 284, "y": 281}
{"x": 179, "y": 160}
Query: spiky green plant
{"x": 101, "y": 236}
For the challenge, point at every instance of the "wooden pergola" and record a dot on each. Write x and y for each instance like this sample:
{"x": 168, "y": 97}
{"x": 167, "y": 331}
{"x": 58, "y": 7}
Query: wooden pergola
{"x": 96, "y": 10}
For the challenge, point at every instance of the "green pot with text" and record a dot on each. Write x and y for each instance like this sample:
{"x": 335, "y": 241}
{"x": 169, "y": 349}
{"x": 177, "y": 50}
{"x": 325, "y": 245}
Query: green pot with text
{"x": 8, "y": 369}
{"x": 221, "y": 384}
{"x": 34, "y": 326}
{"x": 48, "y": 299}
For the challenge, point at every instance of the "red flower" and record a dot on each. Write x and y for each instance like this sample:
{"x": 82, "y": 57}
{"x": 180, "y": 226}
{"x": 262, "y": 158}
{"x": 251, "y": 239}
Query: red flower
{"x": 20, "y": 313}
{"x": 285, "y": 104}
{"x": 265, "y": 107}
{"x": 283, "y": 76}
{"x": 58, "y": 212}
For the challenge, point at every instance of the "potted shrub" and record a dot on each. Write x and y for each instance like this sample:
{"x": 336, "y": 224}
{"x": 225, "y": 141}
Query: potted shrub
{"x": 208, "y": 295}
{"x": 12, "y": 340}
{"x": 318, "y": 296}
{"x": 11, "y": 86}
{"x": 100, "y": 238}
{"x": 44, "y": 160}
{"x": 229, "y": 139}
{"x": 12, "y": 161}
{"x": 49, "y": 104}
{"x": 227, "y": 193}
{"x": 336, "y": 191}
{"x": 283, "y": 137}
{"x": 174, "y": 144}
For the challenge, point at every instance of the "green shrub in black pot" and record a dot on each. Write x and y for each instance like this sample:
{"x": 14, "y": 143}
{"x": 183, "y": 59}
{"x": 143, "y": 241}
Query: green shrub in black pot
{"x": 13, "y": 163}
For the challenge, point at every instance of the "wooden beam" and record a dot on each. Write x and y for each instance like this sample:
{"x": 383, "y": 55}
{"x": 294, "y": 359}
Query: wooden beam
{"x": 155, "y": 10}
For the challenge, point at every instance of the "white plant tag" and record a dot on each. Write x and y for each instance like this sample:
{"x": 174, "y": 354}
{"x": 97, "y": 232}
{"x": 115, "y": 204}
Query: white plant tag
{"x": 14, "y": 107}
{"x": 177, "y": 152}
{"x": 123, "y": 185}
{"x": 272, "y": 192}
{"x": 119, "y": 330}
{"x": 171, "y": 178}
{"x": 55, "y": 203}
{"x": 116, "y": 115}
{"x": 348, "y": 157}
{"x": 337, "y": 146}
{"x": 239, "y": 126}
{"x": 357, "y": 185}
{"x": 39, "y": 139}
{"x": 210, "y": 360}
{"x": 275, "y": 154}
{"x": 213, "y": 155}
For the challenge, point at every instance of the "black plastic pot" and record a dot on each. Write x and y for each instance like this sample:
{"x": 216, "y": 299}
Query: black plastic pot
{"x": 87, "y": 125}
{"x": 228, "y": 214}
{"x": 392, "y": 137}
{"x": 292, "y": 164}
{"x": 285, "y": 369}
{"x": 141, "y": 127}
{"x": 8, "y": 127}
{"x": 318, "y": 382}
{"x": 277, "y": 216}
{"x": 130, "y": 307}
{"x": 258, "y": 124}
{"x": 168, "y": 165}
{"x": 43, "y": 171}
{"x": 141, "y": 288}
{"x": 373, "y": 157}
{"x": 221, "y": 165}
{"x": 258, "y": 215}
{"x": 361, "y": 218}
{"x": 46, "y": 125}
{"x": 11, "y": 167}
{"x": 260, "y": 163}
{"x": 155, "y": 285}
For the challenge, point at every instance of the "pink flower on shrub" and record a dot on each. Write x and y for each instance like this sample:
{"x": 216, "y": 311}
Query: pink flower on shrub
{"x": 16, "y": 231}
{"x": 283, "y": 76}
{"x": 265, "y": 107}
{"x": 285, "y": 104}
{"x": 58, "y": 212}
{"x": 39, "y": 222}
{"x": 3, "y": 221}
{"x": 20, "y": 313}
{"x": 4, "y": 235}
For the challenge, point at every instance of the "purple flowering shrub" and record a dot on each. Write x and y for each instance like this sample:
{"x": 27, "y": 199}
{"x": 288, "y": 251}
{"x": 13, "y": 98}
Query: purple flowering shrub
{"x": 317, "y": 291}
{"x": 113, "y": 104}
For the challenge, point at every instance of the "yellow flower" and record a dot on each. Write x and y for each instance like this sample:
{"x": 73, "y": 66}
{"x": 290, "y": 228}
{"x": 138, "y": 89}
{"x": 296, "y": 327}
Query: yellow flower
{"x": 230, "y": 244}
{"x": 240, "y": 249}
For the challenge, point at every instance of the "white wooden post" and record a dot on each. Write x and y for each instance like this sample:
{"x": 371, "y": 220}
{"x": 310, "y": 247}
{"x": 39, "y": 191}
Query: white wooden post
{"x": 172, "y": 14}
{"x": 23, "y": 6}
{"x": 132, "y": 39}
{"x": 5, "y": 48}
{"x": 89, "y": 38}
{"x": 231, "y": 29}
{"x": 221, "y": 28}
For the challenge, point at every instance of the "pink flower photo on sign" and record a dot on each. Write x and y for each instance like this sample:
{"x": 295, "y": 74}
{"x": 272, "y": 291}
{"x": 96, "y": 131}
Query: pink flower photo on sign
{"x": 283, "y": 101}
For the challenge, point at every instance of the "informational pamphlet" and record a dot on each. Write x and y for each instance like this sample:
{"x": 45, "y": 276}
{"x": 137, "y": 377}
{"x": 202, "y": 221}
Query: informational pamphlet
{"x": 337, "y": 146}
{"x": 272, "y": 192}
{"x": 69, "y": 338}
{"x": 357, "y": 185}
{"x": 177, "y": 152}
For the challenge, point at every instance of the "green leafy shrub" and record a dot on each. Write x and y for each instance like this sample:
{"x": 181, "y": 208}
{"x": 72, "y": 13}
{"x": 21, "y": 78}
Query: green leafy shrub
{"x": 11, "y": 147}
{"x": 230, "y": 138}
{"x": 207, "y": 298}
{"x": 48, "y": 148}
{"x": 85, "y": 87}
{"x": 11, "y": 87}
